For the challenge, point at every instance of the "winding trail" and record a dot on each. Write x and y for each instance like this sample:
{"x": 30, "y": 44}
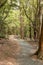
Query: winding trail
{"x": 26, "y": 49}
{"x": 23, "y": 56}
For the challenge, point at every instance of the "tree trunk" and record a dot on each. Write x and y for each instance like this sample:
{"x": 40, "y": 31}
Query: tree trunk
{"x": 21, "y": 24}
{"x": 40, "y": 51}
{"x": 30, "y": 33}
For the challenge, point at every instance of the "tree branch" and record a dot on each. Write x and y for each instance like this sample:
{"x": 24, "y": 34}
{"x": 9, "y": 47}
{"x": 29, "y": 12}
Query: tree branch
{"x": 1, "y": 5}
{"x": 12, "y": 5}
{"x": 30, "y": 19}
{"x": 27, "y": 15}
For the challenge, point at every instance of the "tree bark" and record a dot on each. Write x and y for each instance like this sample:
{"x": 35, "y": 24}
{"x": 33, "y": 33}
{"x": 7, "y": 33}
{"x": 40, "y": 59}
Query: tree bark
{"x": 21, "y": 24}
{"x": 40, "y": 51}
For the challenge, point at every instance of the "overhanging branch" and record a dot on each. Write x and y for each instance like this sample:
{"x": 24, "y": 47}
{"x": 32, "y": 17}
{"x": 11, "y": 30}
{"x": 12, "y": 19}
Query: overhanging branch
{"x": 30, "y": 19}
{"x": 12, "y": 5}
{"x": 27, "y": 15}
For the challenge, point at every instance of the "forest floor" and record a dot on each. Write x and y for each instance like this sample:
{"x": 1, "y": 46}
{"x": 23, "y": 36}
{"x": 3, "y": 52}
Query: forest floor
{"x": 18, "y": 52}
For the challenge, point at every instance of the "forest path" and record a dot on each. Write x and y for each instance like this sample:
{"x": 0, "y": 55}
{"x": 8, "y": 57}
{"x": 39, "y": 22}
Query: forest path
{"x": 26, "y": 49}
{"x": 22, "y": 56}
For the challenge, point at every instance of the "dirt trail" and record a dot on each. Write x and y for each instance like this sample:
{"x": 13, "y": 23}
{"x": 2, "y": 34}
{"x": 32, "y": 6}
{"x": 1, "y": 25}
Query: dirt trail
{"x": 17, "y": 52}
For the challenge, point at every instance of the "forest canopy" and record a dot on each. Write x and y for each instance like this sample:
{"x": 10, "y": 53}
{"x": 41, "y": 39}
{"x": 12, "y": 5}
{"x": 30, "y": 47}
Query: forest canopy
{"x": 19, "y": 17}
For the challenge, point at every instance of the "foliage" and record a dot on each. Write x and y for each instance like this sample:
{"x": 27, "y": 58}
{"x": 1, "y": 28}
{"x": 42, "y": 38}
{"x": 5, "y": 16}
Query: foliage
{"x": 12, "y": 10}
